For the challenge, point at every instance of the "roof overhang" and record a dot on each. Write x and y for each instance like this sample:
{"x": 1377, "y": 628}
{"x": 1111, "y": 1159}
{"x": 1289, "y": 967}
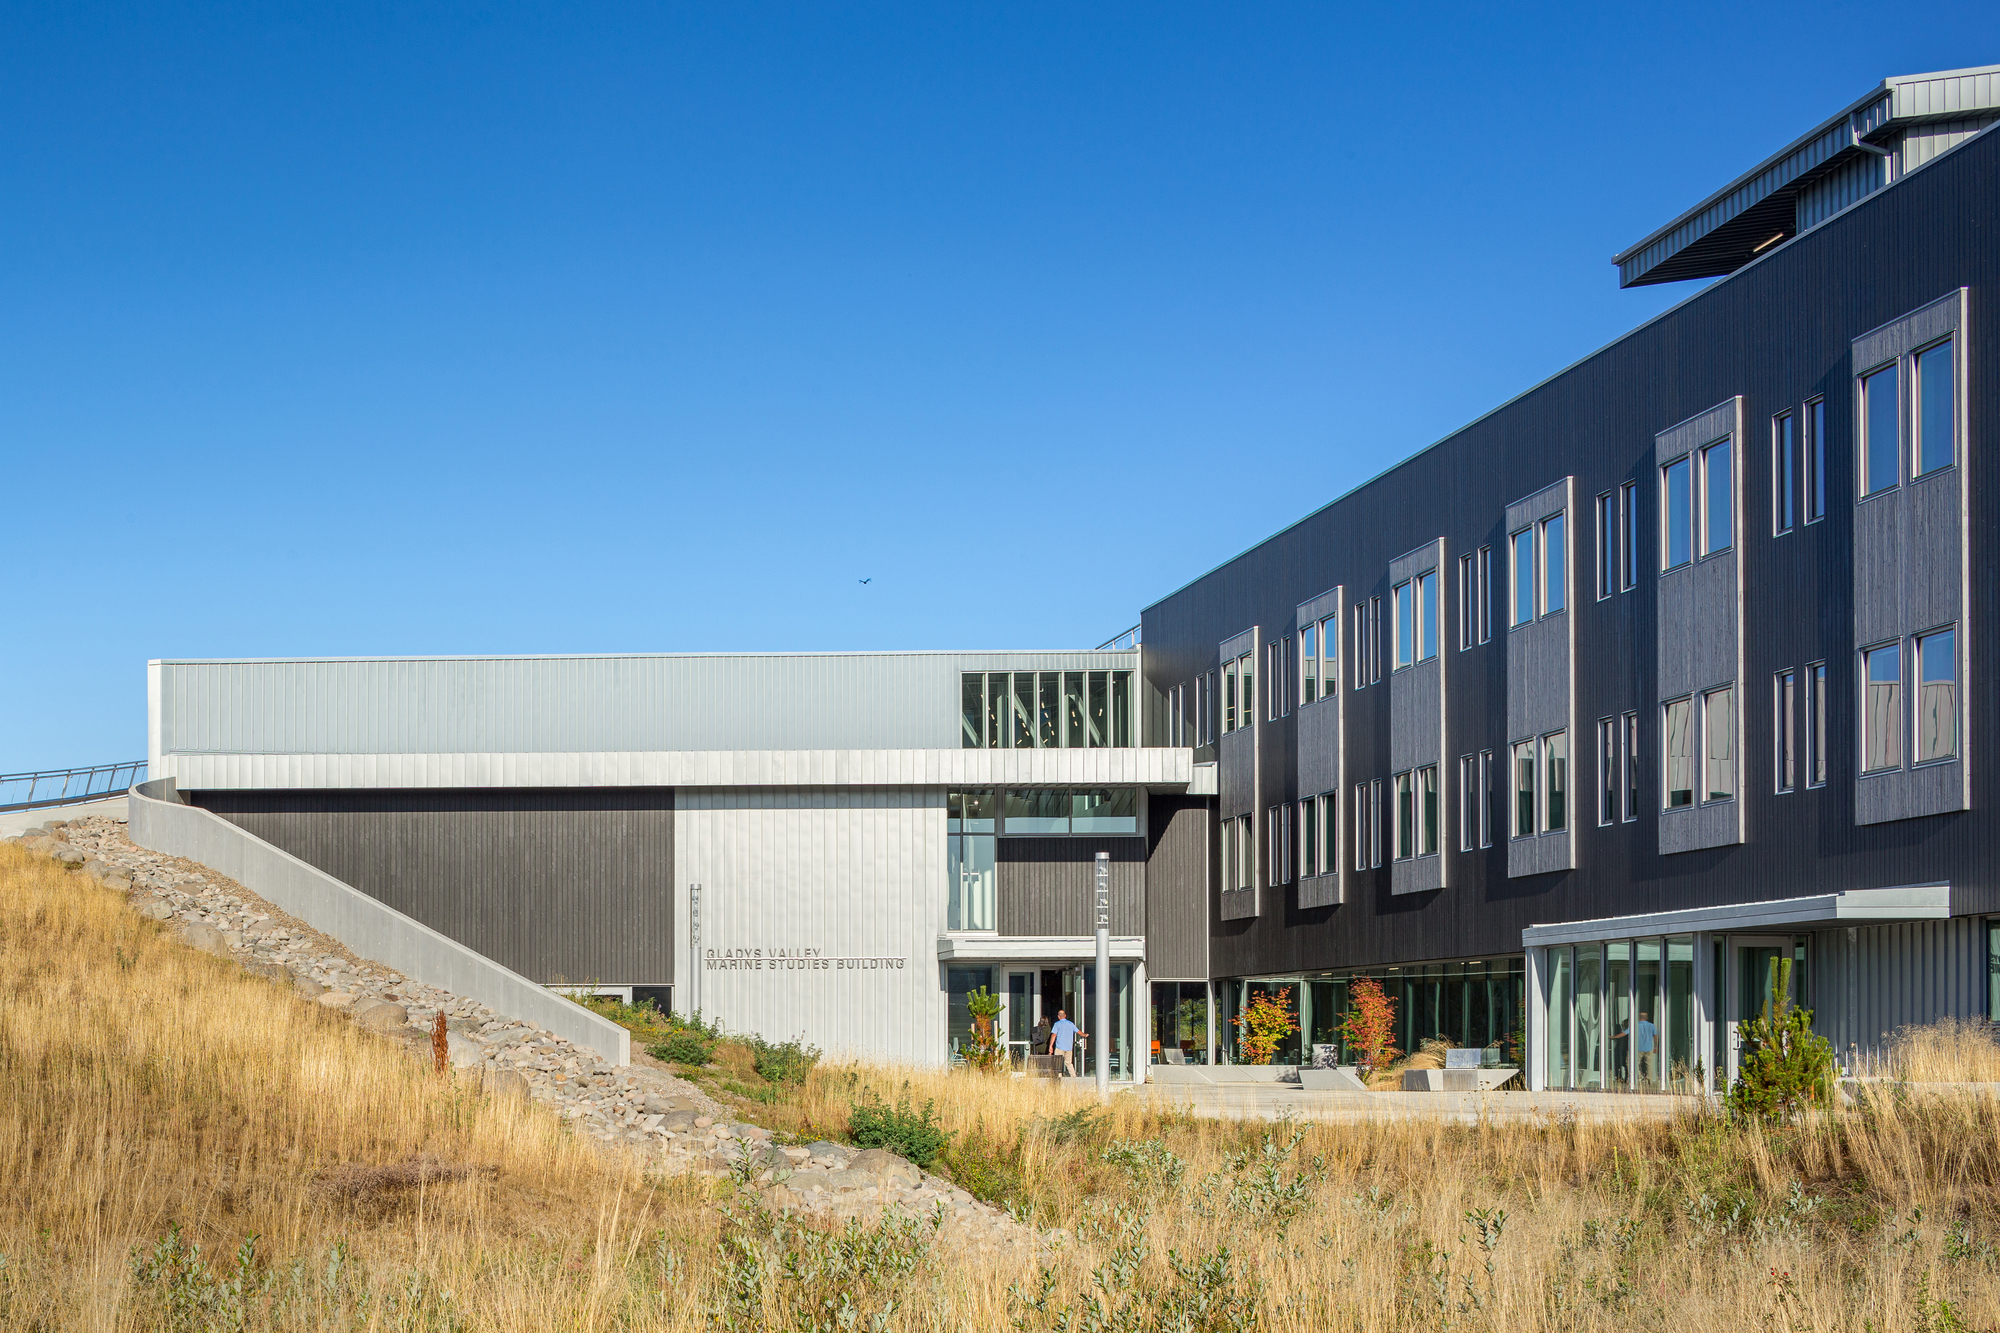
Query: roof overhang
{"x": 1854, "y": 907}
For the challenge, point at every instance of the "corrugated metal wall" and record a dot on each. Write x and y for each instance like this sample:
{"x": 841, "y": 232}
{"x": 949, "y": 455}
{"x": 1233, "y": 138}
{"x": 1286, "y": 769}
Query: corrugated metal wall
{"x": 566, "y": 704}
{"x": 853, "y": 873}
{"x": 1871, "y": 980}
{"x": 1836, "y": 190}
{"x": 1921, "y": 143}
{"x": 1045, "y": 885}
{"x": 1177, "y": 896}
{"x": 566, "y": 885}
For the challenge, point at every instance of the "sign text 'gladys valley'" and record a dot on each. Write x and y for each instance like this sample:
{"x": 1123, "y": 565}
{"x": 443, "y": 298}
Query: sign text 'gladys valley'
{"x": 794, "y": 960}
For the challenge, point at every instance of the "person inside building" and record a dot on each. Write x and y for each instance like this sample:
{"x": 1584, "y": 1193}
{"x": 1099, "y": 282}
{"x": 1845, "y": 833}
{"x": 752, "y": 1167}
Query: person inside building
{"x": 1062, "y": 1041}
{"x": 1644, "y": 1036}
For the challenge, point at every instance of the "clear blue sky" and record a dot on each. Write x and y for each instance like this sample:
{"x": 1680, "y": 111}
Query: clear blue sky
{"x": 475, "y": 328}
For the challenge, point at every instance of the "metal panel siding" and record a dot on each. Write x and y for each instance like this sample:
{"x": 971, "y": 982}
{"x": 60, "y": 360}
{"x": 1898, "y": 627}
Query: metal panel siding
{"x": 1921, "y": 143}
{"x": 1836, "y": 190}
{"x": 1868, "y": 981}
{"x": 1177, "y": 896}
{"x": 1045, "y": 885}
{"x": 564, "y": 704}
{"x": 854, "y": 873}
{"x": 556, "y": 885}
{"x": 1778, "y": 333}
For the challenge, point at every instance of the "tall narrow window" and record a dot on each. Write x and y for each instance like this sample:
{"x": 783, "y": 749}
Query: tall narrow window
{"x": 1718, "y": 714}
{"x": 1404, "y": 600}
{"x": 1246, "y": 705}
{"x": 1881, "y": 439}
{"x": 1555, "y": 565}
{"x": 1285, "y": 841}
{"x": 1937, "y": 696}
{"x": 972, "y": 711}
{"x": 1783, "y": 732}
{"x": 1486, "y": 798}
{"x": 1329, "y": 831}
{"x": 1228, "y": 696}
{"x": 1524, "y": 576}
{"x": 1678, "y": 751}
{"x": 1360, "y": 826}
{"x": 1427, "y": 616}
{"x": 1524, "y": 789}
{"x": 1628, "y": 760}
{"x": 1374, "y": 639}
{"x": 1467, "y": 603}
{"x": 1485, "y": 573}
{"x": 996, "y": 709}
{"x": 1555, "y": 765}
{"x": 1308, "y": 663}
{"x": 1607, "y": 545}
{"x": 1375, "y": 822}
{"x": 1406, "y": 816}
{"x": 1467, "y": 812}
{"x": 1024, "y": 710}
{"x": 1228, "y": 857}
{"x": 1360, "y": 644}
{"x": 1783, "y": 491}
{"x": 1676, "y": 513}
{"x": 1607, "y": 771}
{"x": 1628, "y": 515}
{"x": 1815, "y": 460}
{"x": 1718, "y": 508}
{"x": 1427, "y": 811}
{"x": 1308, "y": 838}
{"x": 1816, "y": 724}
{"x": 1937, "y": 413}
{"x": 1075, "y": 709}
{"x": 1882, "y": 708}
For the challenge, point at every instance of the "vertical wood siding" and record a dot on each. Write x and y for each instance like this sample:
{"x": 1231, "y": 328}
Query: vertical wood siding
{"x": 1177, "y": 893}
{"x": 1045, "y": 885}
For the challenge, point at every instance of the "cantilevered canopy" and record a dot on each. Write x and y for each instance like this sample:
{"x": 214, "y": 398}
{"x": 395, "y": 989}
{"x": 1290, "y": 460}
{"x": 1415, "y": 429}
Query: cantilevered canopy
{"x": 1909, "y": 902}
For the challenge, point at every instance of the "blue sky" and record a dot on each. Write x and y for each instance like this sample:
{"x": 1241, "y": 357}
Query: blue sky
{"x": 471, "y": 328}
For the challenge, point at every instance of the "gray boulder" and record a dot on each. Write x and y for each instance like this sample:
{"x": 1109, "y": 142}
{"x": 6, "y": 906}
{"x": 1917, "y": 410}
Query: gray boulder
{"x": 303, "y": 983}
{"x": 505, "y": 1084}
{"x": 886, "y": 1167}
{"x": 380, "y": 1015}
{"x": 155, "y": 909}
{"x": 205, "y": 938}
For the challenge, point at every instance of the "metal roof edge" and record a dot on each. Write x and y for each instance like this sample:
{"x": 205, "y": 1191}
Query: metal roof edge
{"x": 627, "y": 657}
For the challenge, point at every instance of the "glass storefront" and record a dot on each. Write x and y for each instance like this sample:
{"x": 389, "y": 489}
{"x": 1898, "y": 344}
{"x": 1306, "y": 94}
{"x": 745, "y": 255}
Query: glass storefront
{"x": 1480, "y": 1003}
{"x": 1032, "y": 994}
{"x": 1180, "y": 1023}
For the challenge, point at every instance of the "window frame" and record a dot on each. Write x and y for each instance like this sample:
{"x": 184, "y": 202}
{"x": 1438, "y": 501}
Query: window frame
{"x": 1703, "y": 791}
{"x": 1403, "y": 815}
{"x": 1668, "y": 527}
{"x": 1628, "y": 518}
{"x": 1608, "y": 773}
{"x": 1629, "y": 769}
{"x": 1784, "y": 498}
{"x": 1485, "y": 571}
{"x": 1403, "y": 625}
{"x": 1813, "y": 428}
{"x": 1916, "y": 431}
{"x": 1430, "y": 831}
{"x": 1485, "y": 799}
{"x": 1784, "y": 731}
{"x": 1920, "y": 680}
{"x": 1546, "y": 746}
{"x": 1518, "y": 570}
{"x": 1864, "y": 434}
{"x": 1607, "y": 537}
{"x": 1552, "y": 560}
{"x": 1667, "y": 789}
{"x": 1898, "y": 709}
{"x": 1816, "y": 730}
{"x": 1429, "y": 614}
{"x": 1520, "y": 752}
{"x": 1705, "y": 507}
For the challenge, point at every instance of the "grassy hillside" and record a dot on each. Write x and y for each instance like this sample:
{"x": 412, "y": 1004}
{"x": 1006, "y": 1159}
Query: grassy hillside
{"x": 154, "y": 1100}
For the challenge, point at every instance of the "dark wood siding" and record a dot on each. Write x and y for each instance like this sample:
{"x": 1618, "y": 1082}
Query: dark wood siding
{"x": 1779, "y": 333}
{"x": 1177, "y": 889}
{"x": 1044, "y": 885}
{"x": 560, "y": 885}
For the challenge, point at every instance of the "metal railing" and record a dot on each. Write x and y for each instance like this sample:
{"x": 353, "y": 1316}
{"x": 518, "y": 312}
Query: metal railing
{"x": 67, "y": 786}
{"x": 1129, "y": 639}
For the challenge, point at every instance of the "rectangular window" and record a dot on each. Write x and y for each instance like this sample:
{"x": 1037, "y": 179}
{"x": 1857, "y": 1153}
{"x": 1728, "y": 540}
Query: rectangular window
{"x": 1524, "y": 789}
{"x": 1718, "y": 715}
{"x": 1628, "y": 760}
{"x": 1274, "y": 688}
{"x": 1718, "y": 500}
{"x": 1406, "y": 815}
{"x": 1937, "y": 412}
{"x": 1329, "y": 656}
{"x": 1121, "y": 709}
{"x": 1783, "y": 492}
{"x": 1024, "y": 710}
{"x": 1468, "y": 772}
{"x": 1882, "y": 708}
{"x": 1308, "y": 663}
{"x": 1676, "y": 513}
{"x": 1246, "y": 702}
{"x": 1103, "y": 810}
{"x": 1468, "y": 602}
{"x": 1402, "y": 597}
{"x": 1329, "y": 831}
{"x": 969, "y": 860}
{"x": 1486, "y": 798}
{"x": 1815, "y": 724}
{"x": 1937, "y": 696}
{"x": 1228, "y": 858}
{"x": 972, "y": 710}
{"x": 1881, "y": 439}
{"x": 1308, "y": 838}
{"x": 1628, "y": 515}
{"x": 1427, "y": 811}
{"x": 1036, "y": 811}
{"x": 996, "y": 709}
{"x": 1375, "y": 823}
{"x": 1783, "y": 728}
{"x": 1485, "y": 573}
{"x": 1555, "y": 796}
{"x": 1360, "y": 826}
{"x": 1427, "y": 616}
{"x": 1555, "y": 565}
{"x": 1228, "y": 696}
{"x": 1374, "y": 639}
{"x": 1076, "y": 732}
{"x": 1678, "y": 751}
{"x": 1607, "y": 771}
{"x": 1524, "y": 576}
{"x": 1360, "y": 644}
{"x": 1246, "y": 852}
{"x": 1815, "y": 460}
{"x": 1607, "y": 545}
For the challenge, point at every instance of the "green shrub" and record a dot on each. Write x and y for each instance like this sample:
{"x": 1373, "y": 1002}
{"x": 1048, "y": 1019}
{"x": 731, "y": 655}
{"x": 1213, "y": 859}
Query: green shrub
{"x": 783, "y": 1061}
{"x": 686, "y": 1046}
{"x": 986, "y": 1169}
{"x": 1785, "y": 1066}
{"x": 915, "y": 1135}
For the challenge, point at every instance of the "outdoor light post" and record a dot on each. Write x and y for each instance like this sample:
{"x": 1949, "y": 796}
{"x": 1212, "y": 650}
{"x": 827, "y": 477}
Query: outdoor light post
{"x": 1101, "y": 1021}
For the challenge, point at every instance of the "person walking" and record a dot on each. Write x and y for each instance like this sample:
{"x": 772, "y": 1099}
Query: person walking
{"x": 1644, "y": 1037}
{"x": 1062, "y": 1041}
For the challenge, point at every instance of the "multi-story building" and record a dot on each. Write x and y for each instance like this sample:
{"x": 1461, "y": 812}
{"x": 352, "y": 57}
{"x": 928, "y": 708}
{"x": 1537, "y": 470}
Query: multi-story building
{"x": 1671, "y": 668}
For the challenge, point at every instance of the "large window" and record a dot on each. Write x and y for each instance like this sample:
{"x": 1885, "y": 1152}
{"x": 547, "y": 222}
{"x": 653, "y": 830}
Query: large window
{"x": 1937, "y": 412}
{"x": 1524, "y": 789}
{"x": 1523, "y": 543}
{"x": 1059, "y": 812}
{"x": 1228, "y": 696}
{"x": 1541, "y": 785}
{"x": 1784, "y": 490}
{"x": 1718, "y": 499}
{"x": 1541, "y": 570}
{"x": 1882, "y": 708}
{"x": 1555, "y": 565}
{"x": 1718, "y": 720}
{"x": 1427, "y": 811}
{"x": 1555, "y": 794}
{"x": 969, "y": 856}
{"x": 1027, "y": 710}
{"x": 1246, "y": 692}
{"x": 1881, "y": 436}
{"x": 1678, "y": 752}
{"x": 1319, "y": 668}
{"x": 1937, "y": 698}
{"x": 1416, "y": 813}
{"x": 1416, "y": 619}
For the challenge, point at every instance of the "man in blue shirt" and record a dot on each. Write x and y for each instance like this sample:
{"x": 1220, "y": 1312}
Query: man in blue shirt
{"x": 1644, "y": 1038}
{"x": 1062, "y": 1041}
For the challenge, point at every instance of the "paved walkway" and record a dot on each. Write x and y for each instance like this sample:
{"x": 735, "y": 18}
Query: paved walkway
{"x": 1270, "y": 1101}
{"x": 13, "y": 821}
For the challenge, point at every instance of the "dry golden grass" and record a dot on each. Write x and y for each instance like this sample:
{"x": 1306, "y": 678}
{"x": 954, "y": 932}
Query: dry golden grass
{"x": 1951, "y": 1051}
{"x": 147, "y": 1087}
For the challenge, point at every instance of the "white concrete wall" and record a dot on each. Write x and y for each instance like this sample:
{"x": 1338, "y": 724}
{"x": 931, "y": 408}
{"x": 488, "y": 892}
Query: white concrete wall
{"x": 852, "y": 873}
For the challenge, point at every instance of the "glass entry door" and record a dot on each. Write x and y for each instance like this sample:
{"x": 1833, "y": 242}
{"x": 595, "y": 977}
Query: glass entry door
{"x": 1753, "y": 967}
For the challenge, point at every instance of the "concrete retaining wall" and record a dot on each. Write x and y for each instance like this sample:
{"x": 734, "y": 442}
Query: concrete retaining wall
{"x": 373, "y": 930}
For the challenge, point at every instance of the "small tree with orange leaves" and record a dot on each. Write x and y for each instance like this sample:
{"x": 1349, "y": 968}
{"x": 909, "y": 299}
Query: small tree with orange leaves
{"x": 1370, "y": 1026}
{"x": 1264, "y": 1023}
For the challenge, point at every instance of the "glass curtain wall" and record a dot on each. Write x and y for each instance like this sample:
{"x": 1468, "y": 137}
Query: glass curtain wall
{"x": 973, "y": 899}
{"x": 1621, "y": 1015}
{"x": 1588, "y": 1039}
{"x": 1028, "y": 710}
{"x": 1180, "y": 1023}
{"x": 1480, "y": 1004}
